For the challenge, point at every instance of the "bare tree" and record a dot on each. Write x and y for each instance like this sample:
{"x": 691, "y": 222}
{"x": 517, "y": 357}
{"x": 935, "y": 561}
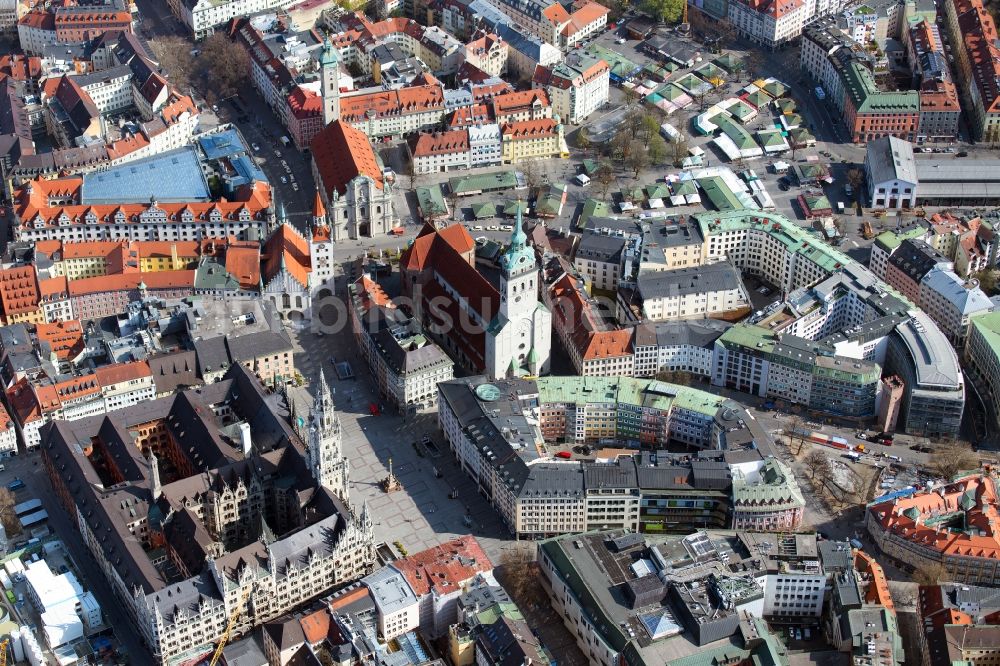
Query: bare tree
{"x": 519, "y": 573}
{"x": 605, "y": 175}
{"x": 621, "y": 144}
{"x": 532, "y": 177}
{"x": 949, "y": 460}
{"x": 8, "y": 517}
{"x": 817, "y": 464}
{"x": 637, "y": 159}
{"x": 583, "y": 140}
{"x": 633, "y": 121}
{"x": 412, "y": 172}
{"x": 174, "y": 55}
{"x": 930, "y": 574}
{"x": 794, "y": 432}
{"x": 453, "y": 202}
{"x": 680, "y": 151}
{"x": 224, "y": 64}
{"x": 631, "y": 96}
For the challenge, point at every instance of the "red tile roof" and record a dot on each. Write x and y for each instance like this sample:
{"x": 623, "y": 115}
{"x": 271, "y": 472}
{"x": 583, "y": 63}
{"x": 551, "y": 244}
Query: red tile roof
{"x": 439, "y": 245}
{"x": 444, "y": 568}
{"x": 64, "y": 337}
{"x": 109, "y": 375}
{"x": 45, "y": 200}
{"x": 129, "y": 281}
{"x": 341, "y": 154}
{"x": 983, "y": 516}
{"x": 243, "y": 263}
{"x": 427, "y": 144}
{"x": 286, "y": 248}
{"x": 19, "y": 290}
{"x": 304, "y": 103}
{"x": 530, "y": 129}
{"x": 416, "y": 99}
{"x": 517, "y": 102}
{"x": 575, "y": 314}
{"x": 476, "y": 114}
{"x": 54, "y": 289}
{"x": 877, "y": 590}
{"x": 586, "y": 15}
{"x": 556, "y": 14}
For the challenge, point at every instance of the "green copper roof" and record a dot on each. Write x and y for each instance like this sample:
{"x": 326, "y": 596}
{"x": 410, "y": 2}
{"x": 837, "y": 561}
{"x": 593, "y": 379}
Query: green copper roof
{"x": 987, "y": 327}
{"x": 329, "y": 54}
{"x": 518, "y": 256}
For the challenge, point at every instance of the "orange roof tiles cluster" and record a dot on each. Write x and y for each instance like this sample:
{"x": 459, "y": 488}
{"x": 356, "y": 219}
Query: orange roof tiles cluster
{"x": 19, "y": 292}
{"x": 415, "y": 99}
{"x": 518, "y": 102}
{"x": 975, "y": 496}
{"x": 21, "y": 67}
{"x": 130, "y": 281}
{"x": 980, "y": 35}
{"x": 584, "y": 16}
{"x": 64, "y": 337}
{"x": 54, "y": 289}
{"x": 477, "y": 114}
{"x": 30, "y": 401}
{"x": 530, "y": 129}
{"x": 433, "y": 247}
{"x": 243, "y": 263}
{"x": 50, "y": 202}
{"x": 444, "y": 568}
{"x": 287, "y": 249}
{"x": 341, "y": 154}
{"x": 556, "y": 14}
{"x": 118, "y": 373}
{"x": 304, "y": 103}
{"x": 877, "y": 590}
{"x": 574, "y": 313}
{"x": 372, "y": 295}
{"x": 427, "y": 144}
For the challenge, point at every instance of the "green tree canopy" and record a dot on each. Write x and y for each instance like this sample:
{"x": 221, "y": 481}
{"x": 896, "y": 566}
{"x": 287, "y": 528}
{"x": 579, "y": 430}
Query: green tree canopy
{"x": 668, "y": 11}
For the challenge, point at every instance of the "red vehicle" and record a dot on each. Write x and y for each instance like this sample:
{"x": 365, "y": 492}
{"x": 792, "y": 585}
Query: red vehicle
{"x": 566, "y": 455}
{"x": 373, "y": 408}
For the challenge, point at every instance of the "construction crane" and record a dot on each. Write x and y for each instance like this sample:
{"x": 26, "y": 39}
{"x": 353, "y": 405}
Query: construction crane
{"x": 229, "y": 628}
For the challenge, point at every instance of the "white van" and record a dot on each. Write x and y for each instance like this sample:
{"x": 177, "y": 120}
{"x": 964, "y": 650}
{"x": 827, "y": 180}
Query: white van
{"x": 582, "y": 180}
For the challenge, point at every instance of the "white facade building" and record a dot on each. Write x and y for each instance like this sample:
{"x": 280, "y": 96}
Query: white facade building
{"x": 891, "y": 173}
{"x": 576, "y": 88}
{"x": 485, "y": 145}
{"x": 950, "y": 301}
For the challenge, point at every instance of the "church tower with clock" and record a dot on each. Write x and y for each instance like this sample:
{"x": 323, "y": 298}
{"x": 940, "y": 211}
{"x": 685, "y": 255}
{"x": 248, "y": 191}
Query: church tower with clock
{"x": 519, "y": 339}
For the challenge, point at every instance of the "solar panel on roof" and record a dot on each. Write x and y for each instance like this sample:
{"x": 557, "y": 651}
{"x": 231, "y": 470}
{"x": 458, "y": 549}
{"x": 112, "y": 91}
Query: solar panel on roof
{"x": 627, "y": 541}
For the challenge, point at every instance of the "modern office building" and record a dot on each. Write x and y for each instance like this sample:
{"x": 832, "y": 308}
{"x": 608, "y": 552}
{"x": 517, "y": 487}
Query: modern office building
{"x": 833, "y": 300}
{"x": 681, "y": 598}
{"x": 502, "y": 434}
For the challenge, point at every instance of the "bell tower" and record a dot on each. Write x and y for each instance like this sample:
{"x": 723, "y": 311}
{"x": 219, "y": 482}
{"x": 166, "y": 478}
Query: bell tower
{"x": 325, "y": 443}
{"x": 329, "y": 68}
